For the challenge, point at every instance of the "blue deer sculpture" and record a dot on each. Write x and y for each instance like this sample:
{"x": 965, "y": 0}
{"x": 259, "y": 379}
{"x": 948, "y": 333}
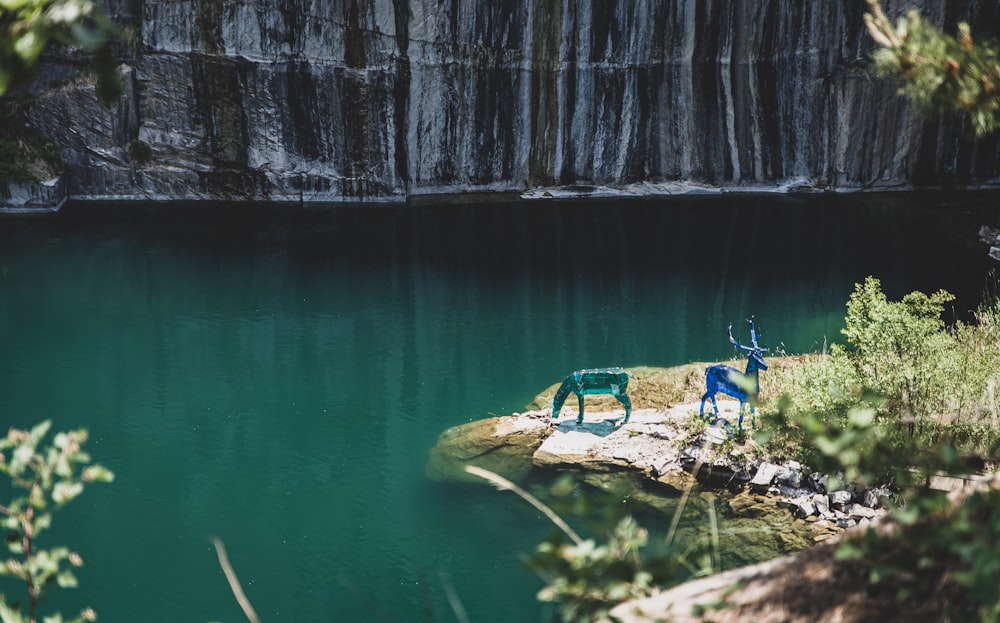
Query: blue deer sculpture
{"x": 743, "y": 386}
{"x": 612, "y": 381}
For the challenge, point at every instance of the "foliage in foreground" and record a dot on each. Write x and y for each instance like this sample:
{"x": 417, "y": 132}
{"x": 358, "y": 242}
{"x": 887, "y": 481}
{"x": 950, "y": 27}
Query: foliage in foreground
{"x": 49, "y": 478}
{"x": 585, "y": 578}
{"x": 943, "y": 551}
{"x": 27, "y": 27}
{"x": 908, "y": 402}
{"x": 938, "y": 72}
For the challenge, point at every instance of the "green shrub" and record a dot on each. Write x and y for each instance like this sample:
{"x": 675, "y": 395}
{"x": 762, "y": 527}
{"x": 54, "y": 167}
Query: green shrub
{"x": 901, "y": 350}
{"x": 49, "y": 477}
{"x": 933, "y": 383}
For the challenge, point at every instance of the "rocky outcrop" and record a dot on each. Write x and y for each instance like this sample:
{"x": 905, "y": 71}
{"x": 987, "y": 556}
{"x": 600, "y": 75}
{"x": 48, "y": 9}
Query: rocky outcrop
{"x": 383, "y": 100}
{"x": 665, "y": 454}
{"x": 990, "y": 236}
{"x": 501, "y": 444}
{"x": 32, "y": 197}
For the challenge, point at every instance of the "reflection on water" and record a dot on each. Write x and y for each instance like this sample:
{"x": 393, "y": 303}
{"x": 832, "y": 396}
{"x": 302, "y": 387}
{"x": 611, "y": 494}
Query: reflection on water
{"x": 276, "y": 377}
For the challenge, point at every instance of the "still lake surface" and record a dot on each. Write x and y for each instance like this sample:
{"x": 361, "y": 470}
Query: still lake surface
{"x": 275, "y": 376}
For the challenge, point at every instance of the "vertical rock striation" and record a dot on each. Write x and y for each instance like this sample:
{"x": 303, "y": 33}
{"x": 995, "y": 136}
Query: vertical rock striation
{"x": 310, "y": 100}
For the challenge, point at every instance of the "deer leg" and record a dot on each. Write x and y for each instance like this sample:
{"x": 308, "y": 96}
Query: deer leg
{"x": 753, "y": 415}
{"x": 579, "y": 418}
{"x": 557, "y": 403}
{"x": 623, "y": 398}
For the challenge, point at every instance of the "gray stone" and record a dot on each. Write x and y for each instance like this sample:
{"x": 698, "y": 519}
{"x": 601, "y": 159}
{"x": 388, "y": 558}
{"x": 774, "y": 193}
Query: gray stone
{"x": 871, "y": 499}
{"x": 840, "y": 499}
{"x": 32, "y": 197}
{"x": 764, "y": 476}
{"x": 715, "y": 435}
{"x": 822, "y": 503}
{"x": 790, "y": 477}
{"x": 803, "y": 507}
{"x": 385, "y": 101}
{"x": 503, "y": 445}
{"x": 859, "y": 511}
{"x": 788, "y": 492}
{"x": 818, "y": 481}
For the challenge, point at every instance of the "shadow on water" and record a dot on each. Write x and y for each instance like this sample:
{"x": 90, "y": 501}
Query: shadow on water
{"x": 275, "y": 375}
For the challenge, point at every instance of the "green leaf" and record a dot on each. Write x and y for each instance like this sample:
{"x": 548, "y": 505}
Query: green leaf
{"x": 98, "y": 473}
{"x": 87, "y": 38}
{"x": 43, "y": 521}
{"x": 829, "y": 447}
{"x": 37, "y": 497}
{"x": 21, "y": 458}
{"x": 10, "y": 615}
{"x": 66, "y": 579}
{"x": 15, "y": 5}
{"x": 4, "y": 80}
{"x": 39, "y": 431}
{"x": 30, "y": 45}
{"x": 861, "y": 418}
{"x": 62, "y": 466}
{"x": 63, "y": 492}
{"x": 907, "y": 515}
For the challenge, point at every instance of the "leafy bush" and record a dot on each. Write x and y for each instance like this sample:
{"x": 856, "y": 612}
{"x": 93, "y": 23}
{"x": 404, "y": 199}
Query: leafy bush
{"x": 944, "y": 553}
{"x": 933, "y": 383}
{"x": 50, "y": 477}
{"x": 901, "y": 350}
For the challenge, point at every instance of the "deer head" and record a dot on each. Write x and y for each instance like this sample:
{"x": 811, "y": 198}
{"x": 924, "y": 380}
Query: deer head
{"x": 755, "y": 354}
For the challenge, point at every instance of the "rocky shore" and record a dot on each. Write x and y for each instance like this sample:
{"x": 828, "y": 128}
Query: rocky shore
{"x": 665, "y": 451}
{"x": 782, "y": 521}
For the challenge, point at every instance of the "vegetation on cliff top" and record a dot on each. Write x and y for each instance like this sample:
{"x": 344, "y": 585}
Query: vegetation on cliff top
{"x": 24, "y": 156}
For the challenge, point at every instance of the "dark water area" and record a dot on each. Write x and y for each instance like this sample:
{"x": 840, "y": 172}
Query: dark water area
{"x": 275, "y": 376}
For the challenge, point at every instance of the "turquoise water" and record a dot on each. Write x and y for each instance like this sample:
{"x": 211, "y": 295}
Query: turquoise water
{"x": 275, "y": 377}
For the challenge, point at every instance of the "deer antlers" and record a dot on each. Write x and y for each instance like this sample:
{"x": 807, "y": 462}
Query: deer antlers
{"x": 753, "y": 338}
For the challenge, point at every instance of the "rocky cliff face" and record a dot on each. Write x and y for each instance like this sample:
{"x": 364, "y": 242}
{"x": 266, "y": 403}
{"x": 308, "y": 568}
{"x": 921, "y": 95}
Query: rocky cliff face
{"x": 311, "y": 100}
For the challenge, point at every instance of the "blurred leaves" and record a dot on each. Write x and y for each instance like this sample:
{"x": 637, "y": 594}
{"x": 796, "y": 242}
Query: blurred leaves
{"x": 909, "y": 384}
{"x": 938, "y": 72}
{"x": 27, "y": 27}
{"x": 621, "y": 562}
{"x": 48, "y": 477}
